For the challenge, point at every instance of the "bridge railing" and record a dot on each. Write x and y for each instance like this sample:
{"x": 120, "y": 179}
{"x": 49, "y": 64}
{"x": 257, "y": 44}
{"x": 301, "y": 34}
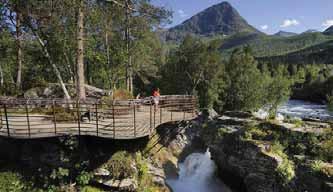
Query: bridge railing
{"x": 117, "y": 119}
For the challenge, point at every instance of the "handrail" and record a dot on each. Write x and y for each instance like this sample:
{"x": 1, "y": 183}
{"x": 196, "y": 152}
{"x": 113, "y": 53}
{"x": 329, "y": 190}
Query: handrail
{"x": 117, "y": 119}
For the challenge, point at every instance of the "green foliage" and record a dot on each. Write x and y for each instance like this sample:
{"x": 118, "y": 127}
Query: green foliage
{"x": 121, "y": 165}
{"x": 330, "y": 102}
{"x": 277, "y": 91}
{"x": 326, "y": 149}
{"x": 319, "y": 166}
{"x": 245, "y": 89}
{"x": 145, "y": 180}
{"x": 90, "y": 189}
{"x": 84, "y": 178}
{"x": 194, "y": 68}
{"x": 60, "y": 174}
{"x": 256, "y": 133}
{"x": 286, "y": 169}
{"x": 269, "y": 47}
{"x": 11, "y": 182}
{"x": 121, "y": 94}
{"x": 105, "y": 50}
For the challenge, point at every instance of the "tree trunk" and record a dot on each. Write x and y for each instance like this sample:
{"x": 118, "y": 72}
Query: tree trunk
{"x": 108, "y": 58}
{"x": 19, "y": 51}
{"x": 80, "y": 57}
{"x": 129, "y": 70}
{"x": 55, "y": 68}
{"x": 1, "y": 76}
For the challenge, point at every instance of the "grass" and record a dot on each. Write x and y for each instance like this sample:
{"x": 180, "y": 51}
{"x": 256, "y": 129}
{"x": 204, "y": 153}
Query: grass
{"x": 11, "y": 182}
{"x": 90, "y": 189}
{"x": 121, "y": 165}
{"x": 286, "y": 169}
{"x": 319, "y": 166}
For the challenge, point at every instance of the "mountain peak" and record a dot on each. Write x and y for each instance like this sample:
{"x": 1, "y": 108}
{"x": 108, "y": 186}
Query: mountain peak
{"x": 285, "y": 34}
{"x": 219, "y": 19}
{"x": 329, "y": 31}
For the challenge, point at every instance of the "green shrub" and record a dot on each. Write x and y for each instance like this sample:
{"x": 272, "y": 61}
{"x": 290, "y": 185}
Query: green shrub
{"x": 256, "y": 133}
{"x": 319, "y": 166}
{"x": 59, "y": 174}
{"x": 11, "y": 182}
{"x": 118, "y": 94}
{"x": 326, "y": 149}
{"x": 90, "y": 189}
{"x": 330, "y": 102}
{"x": 286, "y": 169}
{"x": 121, "y": 165}
{"x": 297, "y": 122}
{"x": 84, "y": 178}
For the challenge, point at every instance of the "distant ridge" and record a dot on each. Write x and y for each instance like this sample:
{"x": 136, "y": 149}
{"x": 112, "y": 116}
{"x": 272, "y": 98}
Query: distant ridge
{"x": 285, "y": 34}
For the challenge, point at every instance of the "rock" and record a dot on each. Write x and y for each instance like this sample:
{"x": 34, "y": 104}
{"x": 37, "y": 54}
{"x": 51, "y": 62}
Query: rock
{"x": 102, "y": 172}
{"x": 47, "y": 92}
{"x": 158, "y": 174}
{"x": 31, "y": 94}
{"x": 244, "y": 165}
{"x": 279, "y": 117}
{"x": 328, "y": 187}
{"x": 122, "y": 185}
{"x": 212, "y": 114}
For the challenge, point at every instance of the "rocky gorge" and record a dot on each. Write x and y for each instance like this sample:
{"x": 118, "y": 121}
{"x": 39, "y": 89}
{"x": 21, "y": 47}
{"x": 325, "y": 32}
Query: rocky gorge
{"x": 251, "y": 155}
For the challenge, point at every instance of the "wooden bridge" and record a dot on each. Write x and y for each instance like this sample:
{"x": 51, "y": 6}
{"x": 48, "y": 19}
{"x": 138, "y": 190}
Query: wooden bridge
{"x": 116, "y": 119}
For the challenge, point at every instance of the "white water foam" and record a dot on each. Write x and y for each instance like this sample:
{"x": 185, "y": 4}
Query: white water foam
{"x": 305, "y": 109}
{"x": 197, "y": 174}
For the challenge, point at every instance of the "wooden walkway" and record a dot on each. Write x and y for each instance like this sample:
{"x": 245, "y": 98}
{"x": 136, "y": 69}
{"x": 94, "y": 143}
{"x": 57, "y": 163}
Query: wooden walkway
{"x": 130, "y": 119}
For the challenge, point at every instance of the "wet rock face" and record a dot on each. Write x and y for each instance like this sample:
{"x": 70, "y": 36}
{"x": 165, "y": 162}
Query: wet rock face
{"x": 244, "y": 161}
{"x": 250, "y": 165}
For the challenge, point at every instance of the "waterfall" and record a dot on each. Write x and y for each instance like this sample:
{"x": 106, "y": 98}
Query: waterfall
{"x": 197, "y": 174}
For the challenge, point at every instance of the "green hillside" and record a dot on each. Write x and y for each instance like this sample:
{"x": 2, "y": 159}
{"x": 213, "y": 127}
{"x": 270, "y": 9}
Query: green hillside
{"x": 267, "y": 46}
{"x": 321, "y": 53}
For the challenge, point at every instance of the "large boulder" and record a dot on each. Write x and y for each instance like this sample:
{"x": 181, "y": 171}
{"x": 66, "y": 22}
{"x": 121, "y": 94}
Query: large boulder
{"x": 33, "y": 93}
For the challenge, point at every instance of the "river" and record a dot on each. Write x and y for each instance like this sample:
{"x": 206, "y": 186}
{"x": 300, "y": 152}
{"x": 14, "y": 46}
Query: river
{"x": 305, "y": 109}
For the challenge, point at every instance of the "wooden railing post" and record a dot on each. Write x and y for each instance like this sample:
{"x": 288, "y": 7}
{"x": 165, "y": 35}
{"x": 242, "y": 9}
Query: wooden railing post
{"x": 78, "y": 116}
{"x": 150, "y": 118}
{"x": 28, "y": 121}
{"x": 160, "y": 115}
{"x": 96, "y": 114}
{"x": 54, "y": 118}
{"x": 134, "y": 124}
{"x": 154, "y": 116}
{"x": 113, "y": 121}
{"x": 7, "y": 123}
{"x": 1, "y": 117}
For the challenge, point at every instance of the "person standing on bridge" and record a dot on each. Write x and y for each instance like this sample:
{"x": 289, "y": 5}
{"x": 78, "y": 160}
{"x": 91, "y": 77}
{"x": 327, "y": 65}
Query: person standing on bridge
{"x": 156, "y": 98}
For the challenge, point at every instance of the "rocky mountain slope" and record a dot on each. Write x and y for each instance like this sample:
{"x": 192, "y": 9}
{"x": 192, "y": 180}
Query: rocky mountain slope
{"x": 220, "y": 19}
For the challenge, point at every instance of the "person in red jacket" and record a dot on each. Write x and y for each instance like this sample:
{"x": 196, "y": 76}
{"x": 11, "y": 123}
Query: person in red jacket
{"x": 156, "y": 98}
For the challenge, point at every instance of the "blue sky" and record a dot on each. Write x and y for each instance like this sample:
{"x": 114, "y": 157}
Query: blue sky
{"x": 269, "y": 16}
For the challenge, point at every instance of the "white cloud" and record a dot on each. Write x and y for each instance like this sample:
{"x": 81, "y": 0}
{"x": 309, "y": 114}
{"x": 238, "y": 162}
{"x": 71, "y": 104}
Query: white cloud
{"x": 328, "y": 23}
{"x": 182, "y": 13}
{"x": 290, "y": 22}
{"x": 264, "y": 27}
